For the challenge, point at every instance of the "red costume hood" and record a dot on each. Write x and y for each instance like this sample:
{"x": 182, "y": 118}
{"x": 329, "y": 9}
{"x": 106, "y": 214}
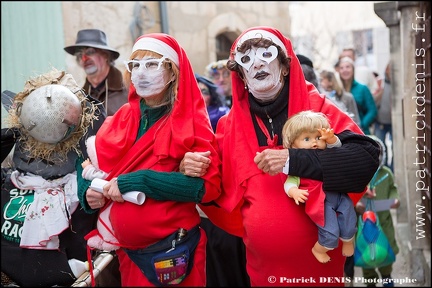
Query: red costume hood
{"x": 236, "y": 133}
{"x": 186, "y": 128}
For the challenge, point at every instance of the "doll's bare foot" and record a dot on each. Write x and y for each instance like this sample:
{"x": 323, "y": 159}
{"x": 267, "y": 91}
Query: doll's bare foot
{"x": 320, "y": 253}
{"x": 348, "y": 248}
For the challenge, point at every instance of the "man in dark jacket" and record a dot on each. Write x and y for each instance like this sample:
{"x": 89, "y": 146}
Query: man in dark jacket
{"x": 104, "y": 82}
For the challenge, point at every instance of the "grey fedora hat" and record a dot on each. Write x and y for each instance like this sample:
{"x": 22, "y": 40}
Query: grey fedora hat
{"x": 91, "y": 38}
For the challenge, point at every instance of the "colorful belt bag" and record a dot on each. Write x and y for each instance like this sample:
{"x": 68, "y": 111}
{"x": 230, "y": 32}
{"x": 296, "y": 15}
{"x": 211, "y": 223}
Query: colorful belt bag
{"x": 170, "y": 260}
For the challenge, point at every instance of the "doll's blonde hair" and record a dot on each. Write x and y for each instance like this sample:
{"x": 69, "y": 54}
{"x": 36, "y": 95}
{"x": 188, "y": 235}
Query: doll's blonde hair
{"x": 305, "y": 121}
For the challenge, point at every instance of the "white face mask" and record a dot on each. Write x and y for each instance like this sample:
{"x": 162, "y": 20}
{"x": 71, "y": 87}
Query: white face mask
{"x": 263, "y": 74}
{"x": 266, "y": 89}
{"x": 149, "y": 82}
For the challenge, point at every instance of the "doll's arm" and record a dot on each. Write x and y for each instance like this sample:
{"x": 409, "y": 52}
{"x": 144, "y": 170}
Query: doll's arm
{"x": 86, "y": 163}
{"x": 292, "y": 190}
{"x": 299, "y": 195}
{"x": 90, "y": 172}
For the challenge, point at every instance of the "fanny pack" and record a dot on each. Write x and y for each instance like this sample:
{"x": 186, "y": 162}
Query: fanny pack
{"x": 170, "y": 260}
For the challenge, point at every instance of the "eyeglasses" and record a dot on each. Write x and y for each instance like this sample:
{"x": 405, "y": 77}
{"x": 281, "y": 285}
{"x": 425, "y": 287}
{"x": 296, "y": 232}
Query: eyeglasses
{"x": 148, "y": 64}
{"x": 216, "y": 74}
{"x": 85, "y": 51}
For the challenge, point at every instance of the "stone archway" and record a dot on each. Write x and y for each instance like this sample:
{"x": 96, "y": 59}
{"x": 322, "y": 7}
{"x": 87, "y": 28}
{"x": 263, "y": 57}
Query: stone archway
{"x": 221, "y": 30}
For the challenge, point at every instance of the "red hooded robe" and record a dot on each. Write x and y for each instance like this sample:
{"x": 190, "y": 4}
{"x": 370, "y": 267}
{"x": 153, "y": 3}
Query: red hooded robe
{"x": 278, "y": 234}
{"x": 186, "y": 129}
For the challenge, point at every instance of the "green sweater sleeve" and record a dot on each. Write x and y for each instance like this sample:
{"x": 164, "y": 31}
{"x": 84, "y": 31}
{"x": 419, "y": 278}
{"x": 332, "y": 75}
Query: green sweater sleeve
{"x": 82, "y": 186}
{"x": 163, "y": 185}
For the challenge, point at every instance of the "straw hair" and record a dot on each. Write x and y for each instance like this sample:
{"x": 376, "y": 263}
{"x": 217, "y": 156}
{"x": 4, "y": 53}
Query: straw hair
{"x": 55, "y": 153}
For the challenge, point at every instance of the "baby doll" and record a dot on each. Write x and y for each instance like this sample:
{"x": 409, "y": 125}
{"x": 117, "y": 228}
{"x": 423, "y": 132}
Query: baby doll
{"x": 311, "y": 130}
{"x": 91, "y": 171}
{"x": 90, "y": 165}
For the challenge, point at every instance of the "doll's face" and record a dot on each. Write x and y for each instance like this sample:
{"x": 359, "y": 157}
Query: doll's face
{"x": 309, "y": 140}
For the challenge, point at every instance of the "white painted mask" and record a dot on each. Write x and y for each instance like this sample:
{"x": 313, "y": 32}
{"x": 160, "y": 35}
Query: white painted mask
{"x": 148, "y": 76}
{"x": 262, "y": 73}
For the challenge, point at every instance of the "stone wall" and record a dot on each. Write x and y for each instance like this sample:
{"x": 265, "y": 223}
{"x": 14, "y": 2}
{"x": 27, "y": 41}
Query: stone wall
{"x": 194, "y": 24}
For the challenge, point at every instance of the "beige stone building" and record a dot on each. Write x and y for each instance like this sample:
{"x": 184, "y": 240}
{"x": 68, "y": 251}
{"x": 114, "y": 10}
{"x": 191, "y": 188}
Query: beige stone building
{"x": 410, "y": 53}
{"x": 34, "y": 34}
{"x": 204, "y": 29}
{"x": 38, "y": 31}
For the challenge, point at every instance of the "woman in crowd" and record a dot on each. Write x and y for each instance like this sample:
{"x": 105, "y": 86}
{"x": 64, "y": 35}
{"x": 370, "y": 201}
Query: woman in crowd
{"x": 213, "y": 100}
{"x": 362, "y": 95}
{"x": 334, "y": 91}
{"x": 220, "y": 75}
{"x": 141, "y": 147}
{"x": 268, "y": 87}
{"x": 383, "y": 124}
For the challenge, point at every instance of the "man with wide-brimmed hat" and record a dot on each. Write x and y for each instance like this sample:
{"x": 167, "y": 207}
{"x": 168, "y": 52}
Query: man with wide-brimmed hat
{"x": 104, "y": 82}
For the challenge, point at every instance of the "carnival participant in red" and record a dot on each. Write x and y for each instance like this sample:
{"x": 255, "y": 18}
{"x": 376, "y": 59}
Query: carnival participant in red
{"x": 268, "y": 88}
{"x": 141, "y": 147}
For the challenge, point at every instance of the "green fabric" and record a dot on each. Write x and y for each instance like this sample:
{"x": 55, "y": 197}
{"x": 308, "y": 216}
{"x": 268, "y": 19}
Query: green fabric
{"x": 163, "y": 185}
{"x": 157, "y": 185}
{"x": 386, "y": 189}
{"x": 372, "y": 249}
{"x": 293, "y": 180}
{"x": 82, "y": 186}
{"x": 365, "y": 104}
{"x": 149, "y": 117}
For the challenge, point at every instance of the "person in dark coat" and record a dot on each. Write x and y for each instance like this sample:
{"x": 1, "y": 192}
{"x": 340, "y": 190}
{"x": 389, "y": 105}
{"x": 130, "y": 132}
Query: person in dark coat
{"x": 104, "y": 81}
